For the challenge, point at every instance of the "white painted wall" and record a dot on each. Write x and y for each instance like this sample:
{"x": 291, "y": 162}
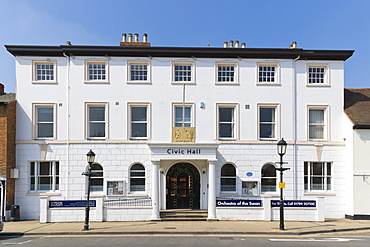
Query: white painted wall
{"x": 117, "y": 153}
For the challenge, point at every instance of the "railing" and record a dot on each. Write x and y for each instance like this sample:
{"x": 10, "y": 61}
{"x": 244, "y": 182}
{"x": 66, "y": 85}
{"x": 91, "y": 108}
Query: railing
{"x": 129, "y": 202}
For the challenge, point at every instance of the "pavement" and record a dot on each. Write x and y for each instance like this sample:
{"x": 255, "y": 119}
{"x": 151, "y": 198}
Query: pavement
{"x": 184, "y": 227}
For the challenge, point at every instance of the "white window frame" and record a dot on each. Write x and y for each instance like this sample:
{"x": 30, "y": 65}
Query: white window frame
{"x": 138, "y": 104}
{"x": 326, "y": 129}
{"x": 326, "y": 82}
{"x": 276, "y": 74}
{"x": 229, "y": 177}
{"x": 55, "y": 175}
{"x": 35, "y": 106}
{"x": 276, "y": 179}
{"x": 139, "y": 62}
{"x": 235, "y": 122}
{"x": 87, "y": 121}
{"x": 192, "y": 114}
{"x": 133, "y": 177}
{"x": 45, "y": 62}
{"x": 88, "y": 80}
{"x": 93, "y": 191}
{"x": 188, "y": 63}
{"x": 236, "y": 73}
{"x": 277, "y": 120}
{"x": 324, "y": 176}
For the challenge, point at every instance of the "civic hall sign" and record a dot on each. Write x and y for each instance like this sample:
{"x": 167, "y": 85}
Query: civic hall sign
{"x": 168, "y": 151}
{"x": 183, "y": 151}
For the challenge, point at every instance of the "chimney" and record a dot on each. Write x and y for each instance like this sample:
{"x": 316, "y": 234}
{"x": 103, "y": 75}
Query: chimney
{"x": 2, "y": 88}
{"x": 136, "y": 40}
{"x": 293, "y": 45}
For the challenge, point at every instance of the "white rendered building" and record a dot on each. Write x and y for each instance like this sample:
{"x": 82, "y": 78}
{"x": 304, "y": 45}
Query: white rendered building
{"x": 208, "y": 145}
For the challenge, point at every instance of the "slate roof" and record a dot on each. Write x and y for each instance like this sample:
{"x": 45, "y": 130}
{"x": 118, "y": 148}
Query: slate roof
{"x": 357, "y": 106}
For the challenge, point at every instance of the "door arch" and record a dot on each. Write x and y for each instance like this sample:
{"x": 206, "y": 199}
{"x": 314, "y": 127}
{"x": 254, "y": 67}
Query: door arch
{"x": 183, "y": 187}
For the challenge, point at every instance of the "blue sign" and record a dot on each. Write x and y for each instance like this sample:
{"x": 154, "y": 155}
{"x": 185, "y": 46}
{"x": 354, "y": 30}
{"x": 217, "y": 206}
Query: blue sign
{"x": 238, "y": 203}
{"x": 71, "y": 204}
{"x": 249, "y": 174}
{"x": 294, "y": 204}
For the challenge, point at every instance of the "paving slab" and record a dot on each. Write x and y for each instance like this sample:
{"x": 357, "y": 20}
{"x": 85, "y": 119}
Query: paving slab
{"x": 185, "y": 227}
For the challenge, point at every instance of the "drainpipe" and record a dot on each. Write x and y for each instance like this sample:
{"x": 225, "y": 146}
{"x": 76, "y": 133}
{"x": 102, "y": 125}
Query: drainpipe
{"x": 294, "y": 118}
{"x": 68, "y": 123}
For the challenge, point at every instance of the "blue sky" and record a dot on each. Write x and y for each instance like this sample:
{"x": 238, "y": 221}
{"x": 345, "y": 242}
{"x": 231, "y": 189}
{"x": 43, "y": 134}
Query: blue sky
{"x": 314, "y": 24}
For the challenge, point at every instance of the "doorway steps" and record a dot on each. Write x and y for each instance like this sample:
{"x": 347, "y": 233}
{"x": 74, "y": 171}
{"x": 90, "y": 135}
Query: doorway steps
{"x": 183, "y": 215}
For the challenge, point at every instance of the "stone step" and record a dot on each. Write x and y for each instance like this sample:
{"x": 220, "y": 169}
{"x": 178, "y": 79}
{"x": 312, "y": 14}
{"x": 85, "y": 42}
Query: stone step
{"x": 183, "y": 215}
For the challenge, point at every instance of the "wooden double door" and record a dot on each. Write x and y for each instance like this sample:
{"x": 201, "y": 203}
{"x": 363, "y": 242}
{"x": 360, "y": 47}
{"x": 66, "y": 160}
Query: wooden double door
{"x": 183, "y": 187}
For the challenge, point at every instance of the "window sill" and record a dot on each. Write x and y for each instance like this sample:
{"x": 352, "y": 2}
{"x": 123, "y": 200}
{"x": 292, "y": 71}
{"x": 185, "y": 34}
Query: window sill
{"x": 270, "y": 195}
{"x": 137, "y": 195}
{"x": 227, "y": 139}
{"x": 138, "y": 82}
{"x": 227, "y": 83}
{"x": 183, "y": 82}
{"x": 228, "y": 194}
{"x": 96, "y": 139}
{"x": 267, "y": 139}
{"x": 96, "y": 195}
{"x": 268, "y": 84}
{"x": 96, "y": 82}
{"x": 318, "y": 85}
{"x": 44, "y": 82}
{"x": 43, "y": 194}
{"x": 318, "y": 193}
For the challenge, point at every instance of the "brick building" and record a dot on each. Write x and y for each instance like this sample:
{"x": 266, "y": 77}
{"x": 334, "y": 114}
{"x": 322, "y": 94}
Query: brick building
{"x": 7, "y": 149}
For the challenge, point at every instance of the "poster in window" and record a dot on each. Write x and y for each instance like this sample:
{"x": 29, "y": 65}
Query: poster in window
{"x": 115, "y": 188}
{"x": 250, "y": 188}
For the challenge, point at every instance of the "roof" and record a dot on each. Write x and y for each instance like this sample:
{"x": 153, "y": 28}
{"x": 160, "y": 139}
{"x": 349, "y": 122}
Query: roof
{"x": 205, "y": 52}
{"x": 357, "y": 106}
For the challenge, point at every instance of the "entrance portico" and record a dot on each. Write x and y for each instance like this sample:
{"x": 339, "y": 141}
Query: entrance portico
{"x": 183, "y": 176}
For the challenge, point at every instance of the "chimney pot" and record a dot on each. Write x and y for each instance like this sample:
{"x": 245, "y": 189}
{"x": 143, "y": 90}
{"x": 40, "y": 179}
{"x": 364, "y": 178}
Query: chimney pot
{"x": 145, "y": 38}
{"x": 237, "y": 44}
{"x": 244, "y": 45}
{"x": 130, "y": 37}
{"x": 2, "y": 88}
{"x": 124, "y": 36}
{"x": 136, "y": 37}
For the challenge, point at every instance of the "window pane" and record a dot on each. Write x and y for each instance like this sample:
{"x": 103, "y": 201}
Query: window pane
{"x": 138, "y": 113}
{"x": 267, "y": 114}
{"x": 137, "y": 184}
{"x": 44, "y": 114}
{"x": 45, "y": 130}
{"x": 44, "y": 183}
{"x": 317, "y": 168}
{"x": 96, "y": 184}
{"x": 316, "y": 116}
{"x": 317, "y": 183}
{"x": 44, "y": 168}
{"x": 139, "y": 130}
{"x": 228, "y": 184}
{"x": 268, "y": 171}
{"x": 97, "y": 130}
{"x": 226, "y": 130}
{"x": 96, "y": 113}
{"x": 226, "y": 114}
{"x": 137, "y": 167}
{"x": 267, "y": 131}
{"x": 268, "y": 184}
{"x": 228, "y": 170}
{"x": 316, "y": 132}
